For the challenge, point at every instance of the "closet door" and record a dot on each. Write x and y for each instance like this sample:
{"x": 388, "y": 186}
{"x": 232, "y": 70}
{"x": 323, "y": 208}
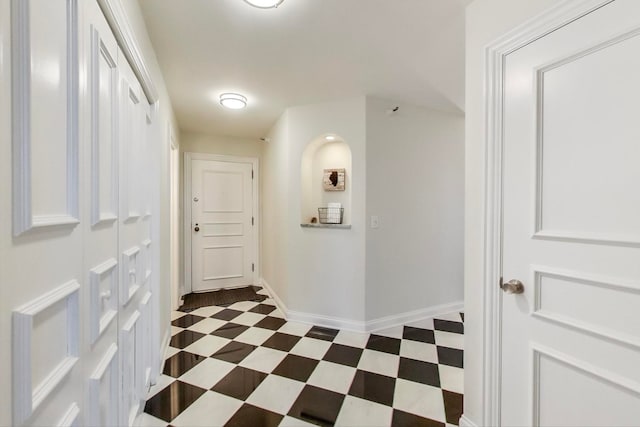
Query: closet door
{"x": 42, "y": 261}
{"x": 134, "y": 242}
{"x": 101, "y": 255}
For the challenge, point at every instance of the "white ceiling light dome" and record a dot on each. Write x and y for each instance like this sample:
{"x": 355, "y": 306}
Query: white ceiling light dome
{"x": 264, "y": 4}
{"x": 233, "y": 101}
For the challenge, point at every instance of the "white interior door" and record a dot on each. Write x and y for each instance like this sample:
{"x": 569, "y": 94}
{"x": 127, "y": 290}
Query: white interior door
{"x": 222, "y": 225}
{"x": 571, "y": 340}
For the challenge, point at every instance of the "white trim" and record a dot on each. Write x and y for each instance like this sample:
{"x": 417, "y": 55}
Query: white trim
{"x": 70, "y": 418}
{"x": 107, "y": 363}
{"x": 23, "y": 216}
{"x": 413, "y": 316}
{"x": 129, "y": 409}
{"x": 495, "y": 55}
{"x": 613, "y": 283}
{"x": 118, "y": 21}
{"x": 466, "y": 422}
{"x": 27, "y": 398}
{"x": 146, "y": 270}
{"x": 538, "y": 351}
{"x": 98, "y": 323}
{"x": 358, "y": 325}
{"x": 99, "y": 49}
{"x": 127, "y": 291}
{"x": 274, "y": 296}
{"x": 144, "y": 345}
{"x": 255, "y": 162}
{"x": 128, "y": 130}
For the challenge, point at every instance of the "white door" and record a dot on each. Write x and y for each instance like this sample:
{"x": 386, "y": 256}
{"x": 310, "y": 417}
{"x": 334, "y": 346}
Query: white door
{"x": 571, "y": 341}
{"x": 222, "y": 225}
{"x": 42, "y": 268}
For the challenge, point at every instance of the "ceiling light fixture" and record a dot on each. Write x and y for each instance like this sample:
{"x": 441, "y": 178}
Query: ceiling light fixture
{"x": 330, "y": 138}
{"x": 264, "y": 4}
{"x": 233, "y": 101}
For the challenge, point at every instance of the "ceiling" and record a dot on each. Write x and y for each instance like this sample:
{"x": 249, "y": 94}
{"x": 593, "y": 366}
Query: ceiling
{"x": 304, "y": 52}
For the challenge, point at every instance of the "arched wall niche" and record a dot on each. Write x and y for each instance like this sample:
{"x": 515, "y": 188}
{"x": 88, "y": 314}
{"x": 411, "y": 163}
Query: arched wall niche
{"x": 327, "y": 151}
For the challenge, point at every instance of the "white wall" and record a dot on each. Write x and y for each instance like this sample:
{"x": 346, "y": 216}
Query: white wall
{"x": 408, "y": 170}
{"x": 486, "y": 20}
{"x": 326, "y": 267}
{"x": 216, "y": 144}
{"x": 415, "y": 185}
{"x": 276, "y": 215}
{"x": 314, "y": 271}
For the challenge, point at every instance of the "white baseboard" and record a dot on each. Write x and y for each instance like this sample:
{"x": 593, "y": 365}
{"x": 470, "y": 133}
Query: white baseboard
{"x": 326, "y": 321}
{"x": 466, "y": 422}
{"x": 413, "y": 316}
{"x": 361, "y": 326}
{"x": 279, "y": 303}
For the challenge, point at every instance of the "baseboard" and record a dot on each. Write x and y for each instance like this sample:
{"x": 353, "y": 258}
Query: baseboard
{"x": 327, "y": 321}
{"x": 466, "y": 422}
{"x": 279, "y": 303}
{"x": 413, "y": 316}
{"x": 360, "y": 326}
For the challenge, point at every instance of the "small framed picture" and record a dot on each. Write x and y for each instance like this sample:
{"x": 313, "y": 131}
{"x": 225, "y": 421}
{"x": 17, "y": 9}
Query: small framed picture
{"x": 334, "y": 179}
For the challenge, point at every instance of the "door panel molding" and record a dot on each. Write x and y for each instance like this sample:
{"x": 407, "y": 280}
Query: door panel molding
{"x": 100, "y": 50}
{"x": 26, "y": 397}
{"x": 539, "y": 229}
{"x": 539, "y": 351}
{"x": 119, "y": 23}
{"x": 130, "y": 267}
{"x": 107, "y": 368}
{"x": 631, "y": 288}
{"x": 188, "y": 158}
{"x": 100, "y": 321}
{"x": 24, "y": 219}
{"x": 495, "y": 57}
{"x": 70, "y": 418}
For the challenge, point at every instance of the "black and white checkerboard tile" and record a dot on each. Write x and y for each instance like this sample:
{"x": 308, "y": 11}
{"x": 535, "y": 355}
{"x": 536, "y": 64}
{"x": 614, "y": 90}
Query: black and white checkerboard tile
{"x": 245, "y": 365}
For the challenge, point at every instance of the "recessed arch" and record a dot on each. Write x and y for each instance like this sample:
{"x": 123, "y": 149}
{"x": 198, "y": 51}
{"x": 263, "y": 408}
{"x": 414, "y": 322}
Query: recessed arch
{"x": 326, "y": 151}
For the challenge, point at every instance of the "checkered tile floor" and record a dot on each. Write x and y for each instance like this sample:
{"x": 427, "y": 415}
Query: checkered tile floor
{"x": 244, "y": 365}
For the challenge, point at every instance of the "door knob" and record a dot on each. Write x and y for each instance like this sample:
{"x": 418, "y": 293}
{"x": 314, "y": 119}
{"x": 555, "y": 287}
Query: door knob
{"x": 513, "y": 287}
{"x": 196, "y": 228}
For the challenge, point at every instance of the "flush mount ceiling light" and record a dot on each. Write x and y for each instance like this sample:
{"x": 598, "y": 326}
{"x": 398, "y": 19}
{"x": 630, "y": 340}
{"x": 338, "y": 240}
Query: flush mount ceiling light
{"x": 264, "y": 4}
{"x": 330, "y": 137}
{"x": 233, "y": 101}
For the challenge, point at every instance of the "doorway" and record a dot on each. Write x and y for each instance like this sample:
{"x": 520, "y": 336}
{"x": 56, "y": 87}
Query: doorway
{"x": 221, "y": 222}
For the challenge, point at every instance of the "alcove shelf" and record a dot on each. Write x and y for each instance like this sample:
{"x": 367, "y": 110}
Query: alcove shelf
{"x": 337, "y": 226}
{"x": 327, "y": 151}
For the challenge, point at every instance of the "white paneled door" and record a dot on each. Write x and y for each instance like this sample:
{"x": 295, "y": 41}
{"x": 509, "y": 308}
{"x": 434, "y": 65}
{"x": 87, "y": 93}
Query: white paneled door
{"x": 222, "y": 224}
{"x": 571, "y": 339}
{"x": 77, "y": 274}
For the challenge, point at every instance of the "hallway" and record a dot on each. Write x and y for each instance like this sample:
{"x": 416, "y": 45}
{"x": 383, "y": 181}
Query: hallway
{"x": 255, "y": 368}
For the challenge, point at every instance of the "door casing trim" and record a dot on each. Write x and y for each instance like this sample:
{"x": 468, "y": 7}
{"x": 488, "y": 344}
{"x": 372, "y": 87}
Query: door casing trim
{"x": 186, "y": 219}
{"x": 495, "y": 55}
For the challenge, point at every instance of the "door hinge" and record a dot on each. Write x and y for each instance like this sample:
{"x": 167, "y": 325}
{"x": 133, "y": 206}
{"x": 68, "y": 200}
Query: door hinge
{"x": 252, "y": 221}
{"x": 251, "y": 173}
{"x": 500, "y": 283}
{"x": 253, "y": 267}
